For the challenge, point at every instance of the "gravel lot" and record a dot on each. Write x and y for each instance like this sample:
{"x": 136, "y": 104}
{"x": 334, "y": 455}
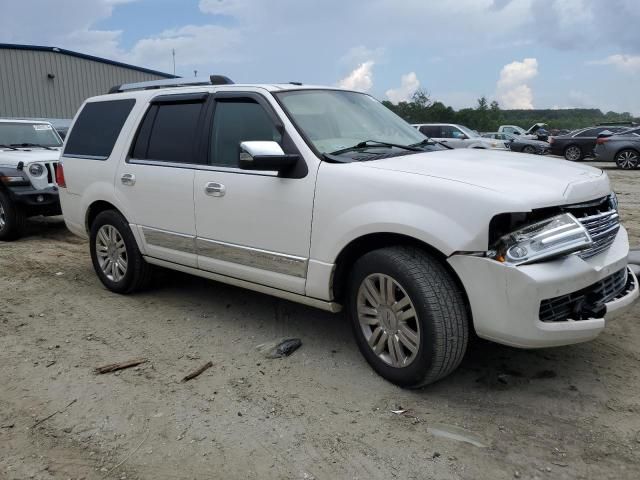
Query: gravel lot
{"x": 571, "y": 412}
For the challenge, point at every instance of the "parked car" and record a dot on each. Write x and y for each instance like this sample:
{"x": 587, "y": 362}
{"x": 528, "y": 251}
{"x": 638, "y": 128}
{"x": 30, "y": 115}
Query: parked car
{"x": 29, "y": 152}
{"x": 535, "y": 132}
{"x": 457, "y": 136}
{"x": 580, "y": 143}
{"x": 622, "y": 148}
{"x": 518, "y": 143}
{"x": 325, "y": 197}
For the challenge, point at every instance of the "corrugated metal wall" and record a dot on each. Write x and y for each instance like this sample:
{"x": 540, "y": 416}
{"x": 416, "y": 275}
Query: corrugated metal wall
{"x": 26, "y": 91}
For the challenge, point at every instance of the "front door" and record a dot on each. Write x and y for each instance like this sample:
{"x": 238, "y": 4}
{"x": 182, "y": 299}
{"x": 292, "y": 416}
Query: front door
{"x": 155, "y": 185}
{"x": 252, "y": 225}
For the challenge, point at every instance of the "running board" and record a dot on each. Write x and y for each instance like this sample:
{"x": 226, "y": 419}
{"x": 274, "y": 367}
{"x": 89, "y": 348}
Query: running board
{"x": 256, "y": 287}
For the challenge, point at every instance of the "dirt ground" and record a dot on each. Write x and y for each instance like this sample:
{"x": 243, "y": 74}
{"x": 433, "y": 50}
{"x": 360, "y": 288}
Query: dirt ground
{"x": 571, "y": 412}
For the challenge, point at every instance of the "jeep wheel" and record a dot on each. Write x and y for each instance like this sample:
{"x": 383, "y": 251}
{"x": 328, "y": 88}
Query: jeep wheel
{"x": 408, "y": 315}
{"x": 573, "y": 153}
{"x": 115, "y": 254}
{"x": 627, "y": 159}
{"x": 12, "y": 219}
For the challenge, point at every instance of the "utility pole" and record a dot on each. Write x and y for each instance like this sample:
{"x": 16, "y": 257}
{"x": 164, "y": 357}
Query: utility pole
{"x": 173, "y": 53}
{"x": 195, "y": 73}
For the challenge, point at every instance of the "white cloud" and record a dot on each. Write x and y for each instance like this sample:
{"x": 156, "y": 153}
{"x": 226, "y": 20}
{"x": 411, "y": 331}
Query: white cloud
{"x": 361, "y": 78}
{"x": 409, "y": 83}
{"x": 512, "y": 88}
{"x": 624, "y": 63}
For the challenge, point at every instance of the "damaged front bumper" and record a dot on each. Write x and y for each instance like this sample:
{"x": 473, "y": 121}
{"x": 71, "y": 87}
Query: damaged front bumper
{"x": 548, "y": 304}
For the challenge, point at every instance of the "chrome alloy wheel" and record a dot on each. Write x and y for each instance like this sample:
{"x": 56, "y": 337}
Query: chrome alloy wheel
{"x": 112, "y": 253}
{"x": 3, "y": 217}
{"x": 573, "y": 153}
{"x": 388, "y": 320}
{"x": 627, "y": 160}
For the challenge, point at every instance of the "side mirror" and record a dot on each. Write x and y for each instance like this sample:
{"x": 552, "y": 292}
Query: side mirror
{"x": 463, "y": 137}
{"x": 265, "y": 155}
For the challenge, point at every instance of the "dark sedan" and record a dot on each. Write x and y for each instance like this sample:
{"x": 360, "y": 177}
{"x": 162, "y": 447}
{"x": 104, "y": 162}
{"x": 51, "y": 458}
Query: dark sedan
{"x": 622, "y": 148}
{"x": 520, "y": 144}
{"x": 580, "y": 143}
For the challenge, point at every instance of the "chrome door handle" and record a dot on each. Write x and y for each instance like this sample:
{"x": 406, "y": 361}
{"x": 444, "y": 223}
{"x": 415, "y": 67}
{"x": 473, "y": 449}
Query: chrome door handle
{"x": 128, "y": 179}
{"x": 215, "y": 189}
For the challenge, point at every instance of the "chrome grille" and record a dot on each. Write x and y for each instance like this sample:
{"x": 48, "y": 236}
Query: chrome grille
{"x": 569, "y": 306}
{"x": 600, "y": 218}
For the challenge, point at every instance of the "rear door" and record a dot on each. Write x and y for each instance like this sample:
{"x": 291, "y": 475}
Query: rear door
{"x": 156, "y": 182}
{"x": 252, "y": 225}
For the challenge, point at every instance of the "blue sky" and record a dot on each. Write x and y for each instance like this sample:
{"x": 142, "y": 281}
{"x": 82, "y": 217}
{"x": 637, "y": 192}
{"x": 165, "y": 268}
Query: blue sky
{"x": 523, "y": 53}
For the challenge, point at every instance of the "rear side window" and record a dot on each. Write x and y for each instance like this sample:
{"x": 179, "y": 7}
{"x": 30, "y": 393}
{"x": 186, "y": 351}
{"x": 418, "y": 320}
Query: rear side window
{"x": 97, "y": 128}
{"x": 237, "y": 121}
{"x": 591, "y": 132}
{"x": 430, "y": 131}
{"x": 169, "y": 132}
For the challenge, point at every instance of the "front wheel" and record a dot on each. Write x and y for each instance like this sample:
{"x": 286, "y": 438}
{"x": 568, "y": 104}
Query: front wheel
{"x": 12, "y": 219}
{"x": 573, "y": 153}
{"x": 529, "y": 149}
{"x": 115, "y": 254}
{"x": 408, "y": 315}
{"x": 627, "y": 159}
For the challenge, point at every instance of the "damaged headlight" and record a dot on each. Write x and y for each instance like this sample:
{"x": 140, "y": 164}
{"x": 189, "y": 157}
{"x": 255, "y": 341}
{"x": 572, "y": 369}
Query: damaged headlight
{"x": 555, "y": 237}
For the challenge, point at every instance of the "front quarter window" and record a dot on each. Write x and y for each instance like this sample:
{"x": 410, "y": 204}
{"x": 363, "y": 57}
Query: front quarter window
{"x": 335, "y": 119}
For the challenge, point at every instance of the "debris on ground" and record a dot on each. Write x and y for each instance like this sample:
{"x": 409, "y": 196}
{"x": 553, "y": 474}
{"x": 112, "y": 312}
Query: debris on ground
{"x": 279, "y": 348}
{"x": 197, "y": 372}
{"x": 112, "y": 367}
{"x": 54, "y": 413}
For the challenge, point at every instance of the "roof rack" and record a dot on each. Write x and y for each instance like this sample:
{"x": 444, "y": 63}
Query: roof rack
{"x": 627, "y": 122}
{"x": 171, "y": 82}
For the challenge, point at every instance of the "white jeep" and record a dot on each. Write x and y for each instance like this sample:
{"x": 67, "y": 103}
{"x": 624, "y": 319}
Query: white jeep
{"x": 29, "y": 152}
{"x": 325, "y": 197}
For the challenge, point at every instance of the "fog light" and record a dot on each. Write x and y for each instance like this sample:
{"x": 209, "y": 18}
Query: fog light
{"x": 39, "y": 199}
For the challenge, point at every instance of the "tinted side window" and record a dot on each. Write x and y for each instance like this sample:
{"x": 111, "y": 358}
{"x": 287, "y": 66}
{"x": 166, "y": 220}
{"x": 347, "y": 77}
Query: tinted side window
{"x": 236, "y": 121}
{"x": 173, "y": 134}
{"x": 591, "y": 132}
{"x": 97, "y": 128}
{"x": 430, "y": 131}
{"x": 447, "y": 131}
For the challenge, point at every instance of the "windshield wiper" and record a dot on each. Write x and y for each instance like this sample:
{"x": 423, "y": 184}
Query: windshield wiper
{"x": 430, "y": 141}
{"x": 375, "y": 143}
{"x": 30, "y": 145}
{"x": 7, "y": 146}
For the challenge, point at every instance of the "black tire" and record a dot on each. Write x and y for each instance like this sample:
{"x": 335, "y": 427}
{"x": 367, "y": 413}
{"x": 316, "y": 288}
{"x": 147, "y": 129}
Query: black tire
{"x": 13, "y": 220}
{"x": 573, "y": 153}
{"x": 627, "y": 159}
{"x": 440, "y": 308}
{"x": 528, "y": 149}
{"x": 138, "y": 271}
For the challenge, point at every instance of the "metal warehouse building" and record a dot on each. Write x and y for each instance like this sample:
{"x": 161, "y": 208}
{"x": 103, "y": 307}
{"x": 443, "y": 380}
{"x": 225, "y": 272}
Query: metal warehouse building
{"x": 50, "y": 82}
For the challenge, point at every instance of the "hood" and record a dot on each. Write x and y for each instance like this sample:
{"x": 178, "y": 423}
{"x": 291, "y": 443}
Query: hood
{"x": 11, "y": 158}
{"x": 530, "y": 180}
{"x": 535, "y": 128}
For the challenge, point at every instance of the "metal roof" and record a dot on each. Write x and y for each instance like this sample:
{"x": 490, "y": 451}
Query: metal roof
{"x": 40, "y": 48}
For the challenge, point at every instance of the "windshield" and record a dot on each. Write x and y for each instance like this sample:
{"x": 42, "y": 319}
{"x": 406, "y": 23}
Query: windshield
{"x": 333, "y": 119}
{"x": 469, "y": 133}
{"x": 31, "y": 134}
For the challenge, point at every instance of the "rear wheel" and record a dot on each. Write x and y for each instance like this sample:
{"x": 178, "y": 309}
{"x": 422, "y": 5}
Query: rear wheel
{"x": 408, "y": 315}
{"x": 115, "y": 254}
{"x": 627, "y": 159}
{"x": 528, "y": 149}
{"x": 12, "y": 219}
{"x": 573, "y": 153}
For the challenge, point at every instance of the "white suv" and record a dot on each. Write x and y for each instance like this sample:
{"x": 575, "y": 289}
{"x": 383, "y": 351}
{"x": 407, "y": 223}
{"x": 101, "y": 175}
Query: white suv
{"x": 325, "y": 197}
{"x": 457, "y": 136}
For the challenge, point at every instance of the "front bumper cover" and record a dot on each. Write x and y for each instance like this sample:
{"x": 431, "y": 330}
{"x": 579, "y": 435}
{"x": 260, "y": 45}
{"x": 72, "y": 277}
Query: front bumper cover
{"x": 45, "y": 201}
{"x": 505, "y": 300}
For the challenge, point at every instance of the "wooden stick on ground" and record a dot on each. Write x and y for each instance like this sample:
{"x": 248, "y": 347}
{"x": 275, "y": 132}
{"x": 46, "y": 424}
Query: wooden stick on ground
{"x": 120, "y": 366}
{"x": 55, "y": 413}
{"x": 197, "y": 372}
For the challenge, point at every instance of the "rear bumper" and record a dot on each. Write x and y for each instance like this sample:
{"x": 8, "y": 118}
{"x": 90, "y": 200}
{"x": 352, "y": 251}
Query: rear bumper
{"x": 45, "y": 201}
{"x": 505, "y": 300}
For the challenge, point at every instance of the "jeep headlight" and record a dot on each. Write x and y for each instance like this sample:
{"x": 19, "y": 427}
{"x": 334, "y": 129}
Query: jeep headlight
{"x": 36, "y": 169}
{"x": 555, "y": 237}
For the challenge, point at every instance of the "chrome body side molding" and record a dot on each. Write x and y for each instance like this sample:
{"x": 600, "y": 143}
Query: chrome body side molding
{"x": 253, "y": 257}
{"x": 170, "y": 240}
{"x": 294, "y": 297}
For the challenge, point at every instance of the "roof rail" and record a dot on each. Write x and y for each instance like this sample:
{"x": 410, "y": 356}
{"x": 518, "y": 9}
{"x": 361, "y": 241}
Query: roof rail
{"x": 171, "y": 82}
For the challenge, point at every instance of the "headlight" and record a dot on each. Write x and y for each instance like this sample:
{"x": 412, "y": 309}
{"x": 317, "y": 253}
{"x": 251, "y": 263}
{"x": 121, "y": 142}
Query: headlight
{"x": 36, "y": 169}
{"x": 555, "y": 237}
